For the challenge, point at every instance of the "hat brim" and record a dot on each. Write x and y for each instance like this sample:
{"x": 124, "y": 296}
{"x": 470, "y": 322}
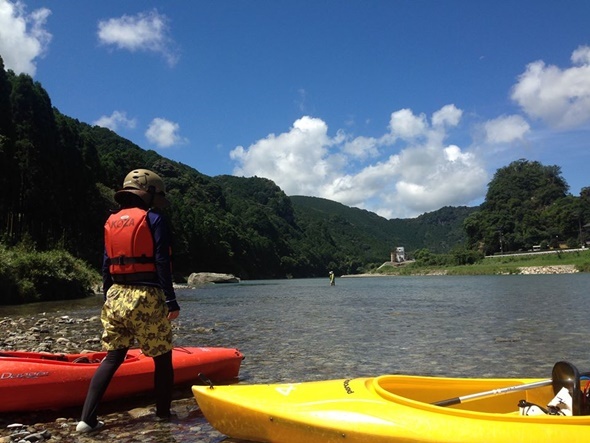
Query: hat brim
{"x": 159, "y": 201}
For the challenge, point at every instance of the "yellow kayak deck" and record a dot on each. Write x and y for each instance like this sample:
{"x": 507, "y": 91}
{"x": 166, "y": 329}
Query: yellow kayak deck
{"x": 389, "y": 408}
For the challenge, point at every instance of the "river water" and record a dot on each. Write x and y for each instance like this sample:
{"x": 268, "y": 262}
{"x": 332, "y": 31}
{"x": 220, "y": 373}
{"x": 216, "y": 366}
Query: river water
{"x": 303, "y": 330}
{"x": 298, "y": 330}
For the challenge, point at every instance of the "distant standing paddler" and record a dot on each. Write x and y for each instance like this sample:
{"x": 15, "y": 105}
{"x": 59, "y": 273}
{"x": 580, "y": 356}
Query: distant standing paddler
{"x": 332, "y": 277}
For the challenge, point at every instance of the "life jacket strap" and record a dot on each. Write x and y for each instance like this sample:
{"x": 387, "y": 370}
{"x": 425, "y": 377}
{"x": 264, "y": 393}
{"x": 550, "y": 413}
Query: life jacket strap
{"x": 136, "y": 277}
{"x": 122, "y": 260}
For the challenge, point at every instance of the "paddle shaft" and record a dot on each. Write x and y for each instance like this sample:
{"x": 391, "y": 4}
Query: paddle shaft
{"x": 465, "y": 398}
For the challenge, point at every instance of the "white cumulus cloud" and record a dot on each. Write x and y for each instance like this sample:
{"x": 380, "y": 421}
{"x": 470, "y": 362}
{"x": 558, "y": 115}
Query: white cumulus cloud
{"x": 404, "y": 124}
{"x": 362, "y": 147}
{"x": 164, "y": 133}
{"x": 506, "y": 129}
{"x": 23, "y": 37}
{"x": 423, "y": 174}
{"x": 448, "y": 115}
{"x": 559, "y": 97}
{"x": 146, "y": 31}
{"x": 116, "y": 120}
{"x": 301, "y": 157}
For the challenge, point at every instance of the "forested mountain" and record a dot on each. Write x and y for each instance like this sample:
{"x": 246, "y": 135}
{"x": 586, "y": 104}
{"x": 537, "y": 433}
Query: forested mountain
{"x": 439, "y": 231}
{"x": 528, "y": 204}
{"x": 58, "y": 177}
{"x": 366, "y": 235}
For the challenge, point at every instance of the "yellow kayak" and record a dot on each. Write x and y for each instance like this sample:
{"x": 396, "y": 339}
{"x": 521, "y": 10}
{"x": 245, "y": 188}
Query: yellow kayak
{"x": 390, "y": 408}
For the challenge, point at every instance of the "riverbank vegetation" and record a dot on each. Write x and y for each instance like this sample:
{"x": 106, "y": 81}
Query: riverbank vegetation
{"x": 578, "y": 260}
{"x": 28, "y": 276}
{"x": 528, "y": 206}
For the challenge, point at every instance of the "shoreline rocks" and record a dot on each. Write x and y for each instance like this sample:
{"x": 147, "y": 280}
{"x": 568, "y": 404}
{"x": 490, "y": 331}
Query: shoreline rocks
{"x": 523, "y": 270}
{"x": 556, "y": 269}
{"x": 59, "y": 334}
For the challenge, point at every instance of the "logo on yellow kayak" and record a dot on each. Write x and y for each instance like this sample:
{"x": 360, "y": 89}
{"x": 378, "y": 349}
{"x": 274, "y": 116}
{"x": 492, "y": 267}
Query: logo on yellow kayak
{"x": 347, "y": 387}
{"x": 285, "y": 389}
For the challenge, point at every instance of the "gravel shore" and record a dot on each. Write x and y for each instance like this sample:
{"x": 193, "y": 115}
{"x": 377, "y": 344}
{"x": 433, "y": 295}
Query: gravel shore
{"x": 131, "y": 420}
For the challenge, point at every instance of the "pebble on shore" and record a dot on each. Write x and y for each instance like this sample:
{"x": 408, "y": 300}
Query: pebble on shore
{"x": 61, "y": 334}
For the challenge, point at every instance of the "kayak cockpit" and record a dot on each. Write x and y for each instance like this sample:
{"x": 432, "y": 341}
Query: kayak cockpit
{"x": 45, "y": 357}
{"x": 423, "y": 392}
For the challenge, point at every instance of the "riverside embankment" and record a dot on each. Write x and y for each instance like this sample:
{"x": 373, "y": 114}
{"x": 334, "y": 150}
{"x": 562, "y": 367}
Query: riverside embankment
{"x": 523, "y": 270}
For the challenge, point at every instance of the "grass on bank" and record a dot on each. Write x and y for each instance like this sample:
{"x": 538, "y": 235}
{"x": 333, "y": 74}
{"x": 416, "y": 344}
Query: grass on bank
{"x": 496, "y": 265}
{"x": 27, "y": 275}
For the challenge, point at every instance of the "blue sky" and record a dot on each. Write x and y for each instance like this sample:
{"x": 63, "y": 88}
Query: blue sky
{"x": 397, "y": 107}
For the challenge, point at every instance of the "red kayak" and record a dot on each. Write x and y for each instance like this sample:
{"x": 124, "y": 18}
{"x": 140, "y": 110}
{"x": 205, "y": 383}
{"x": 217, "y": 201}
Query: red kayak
{"x": 34, "y": 380}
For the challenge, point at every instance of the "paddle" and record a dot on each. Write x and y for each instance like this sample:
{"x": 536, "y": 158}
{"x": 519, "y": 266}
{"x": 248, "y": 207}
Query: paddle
{"x": 563, "y": 374}
{"x": 463, "y": 399}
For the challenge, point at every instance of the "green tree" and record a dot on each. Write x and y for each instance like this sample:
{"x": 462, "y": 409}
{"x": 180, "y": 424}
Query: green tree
{"x": 563, "y": 219}
{"x": 511, "y": 218}
{"x": 7, "y": 167}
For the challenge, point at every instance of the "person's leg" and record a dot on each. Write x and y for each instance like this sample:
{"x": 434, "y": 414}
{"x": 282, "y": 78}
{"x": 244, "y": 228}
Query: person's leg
{"x": 99, "y": 384}
{"x": 163, "y": 383}
{"x": 153, "y": 333}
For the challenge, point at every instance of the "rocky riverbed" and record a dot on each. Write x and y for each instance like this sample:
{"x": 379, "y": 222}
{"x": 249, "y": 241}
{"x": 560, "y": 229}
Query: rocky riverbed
{"x": 555, "y": 269}
{"x": 126, "y": 421}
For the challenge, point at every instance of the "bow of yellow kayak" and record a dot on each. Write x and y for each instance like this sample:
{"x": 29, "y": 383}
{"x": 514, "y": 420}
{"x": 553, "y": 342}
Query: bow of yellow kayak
{"x": 390, "y": 408}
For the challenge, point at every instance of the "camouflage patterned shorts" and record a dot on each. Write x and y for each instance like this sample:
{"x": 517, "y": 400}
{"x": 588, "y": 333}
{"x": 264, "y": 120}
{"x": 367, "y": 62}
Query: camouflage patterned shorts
{"x": 136, "y": 313}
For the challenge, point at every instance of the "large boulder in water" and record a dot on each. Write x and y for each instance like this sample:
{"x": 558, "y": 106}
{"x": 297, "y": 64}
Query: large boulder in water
{"x": 203, "y": 278}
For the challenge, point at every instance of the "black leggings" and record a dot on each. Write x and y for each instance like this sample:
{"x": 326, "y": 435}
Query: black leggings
{"x": 163, "y": 383}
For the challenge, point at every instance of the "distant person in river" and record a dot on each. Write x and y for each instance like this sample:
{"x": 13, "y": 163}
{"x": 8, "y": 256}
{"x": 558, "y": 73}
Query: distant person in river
{"x": 139, "y": 297}
{"x": 332, "y": 279}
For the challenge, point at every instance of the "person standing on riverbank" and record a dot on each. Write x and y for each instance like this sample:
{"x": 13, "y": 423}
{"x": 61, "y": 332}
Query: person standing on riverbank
{"x": 140, "y": 301}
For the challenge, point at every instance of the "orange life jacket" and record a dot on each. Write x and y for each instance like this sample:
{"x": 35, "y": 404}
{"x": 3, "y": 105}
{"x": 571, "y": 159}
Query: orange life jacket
{"x": 129, "y": 244}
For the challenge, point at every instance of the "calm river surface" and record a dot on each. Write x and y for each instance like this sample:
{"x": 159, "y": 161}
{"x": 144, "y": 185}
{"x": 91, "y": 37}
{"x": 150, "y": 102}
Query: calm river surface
{"x": 300, "y": 330}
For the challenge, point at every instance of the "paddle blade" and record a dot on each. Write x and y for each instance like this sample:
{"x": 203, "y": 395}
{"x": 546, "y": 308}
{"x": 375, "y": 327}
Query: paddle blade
{"x": 566, "y": 375}
{"x": 448, "y": 402}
